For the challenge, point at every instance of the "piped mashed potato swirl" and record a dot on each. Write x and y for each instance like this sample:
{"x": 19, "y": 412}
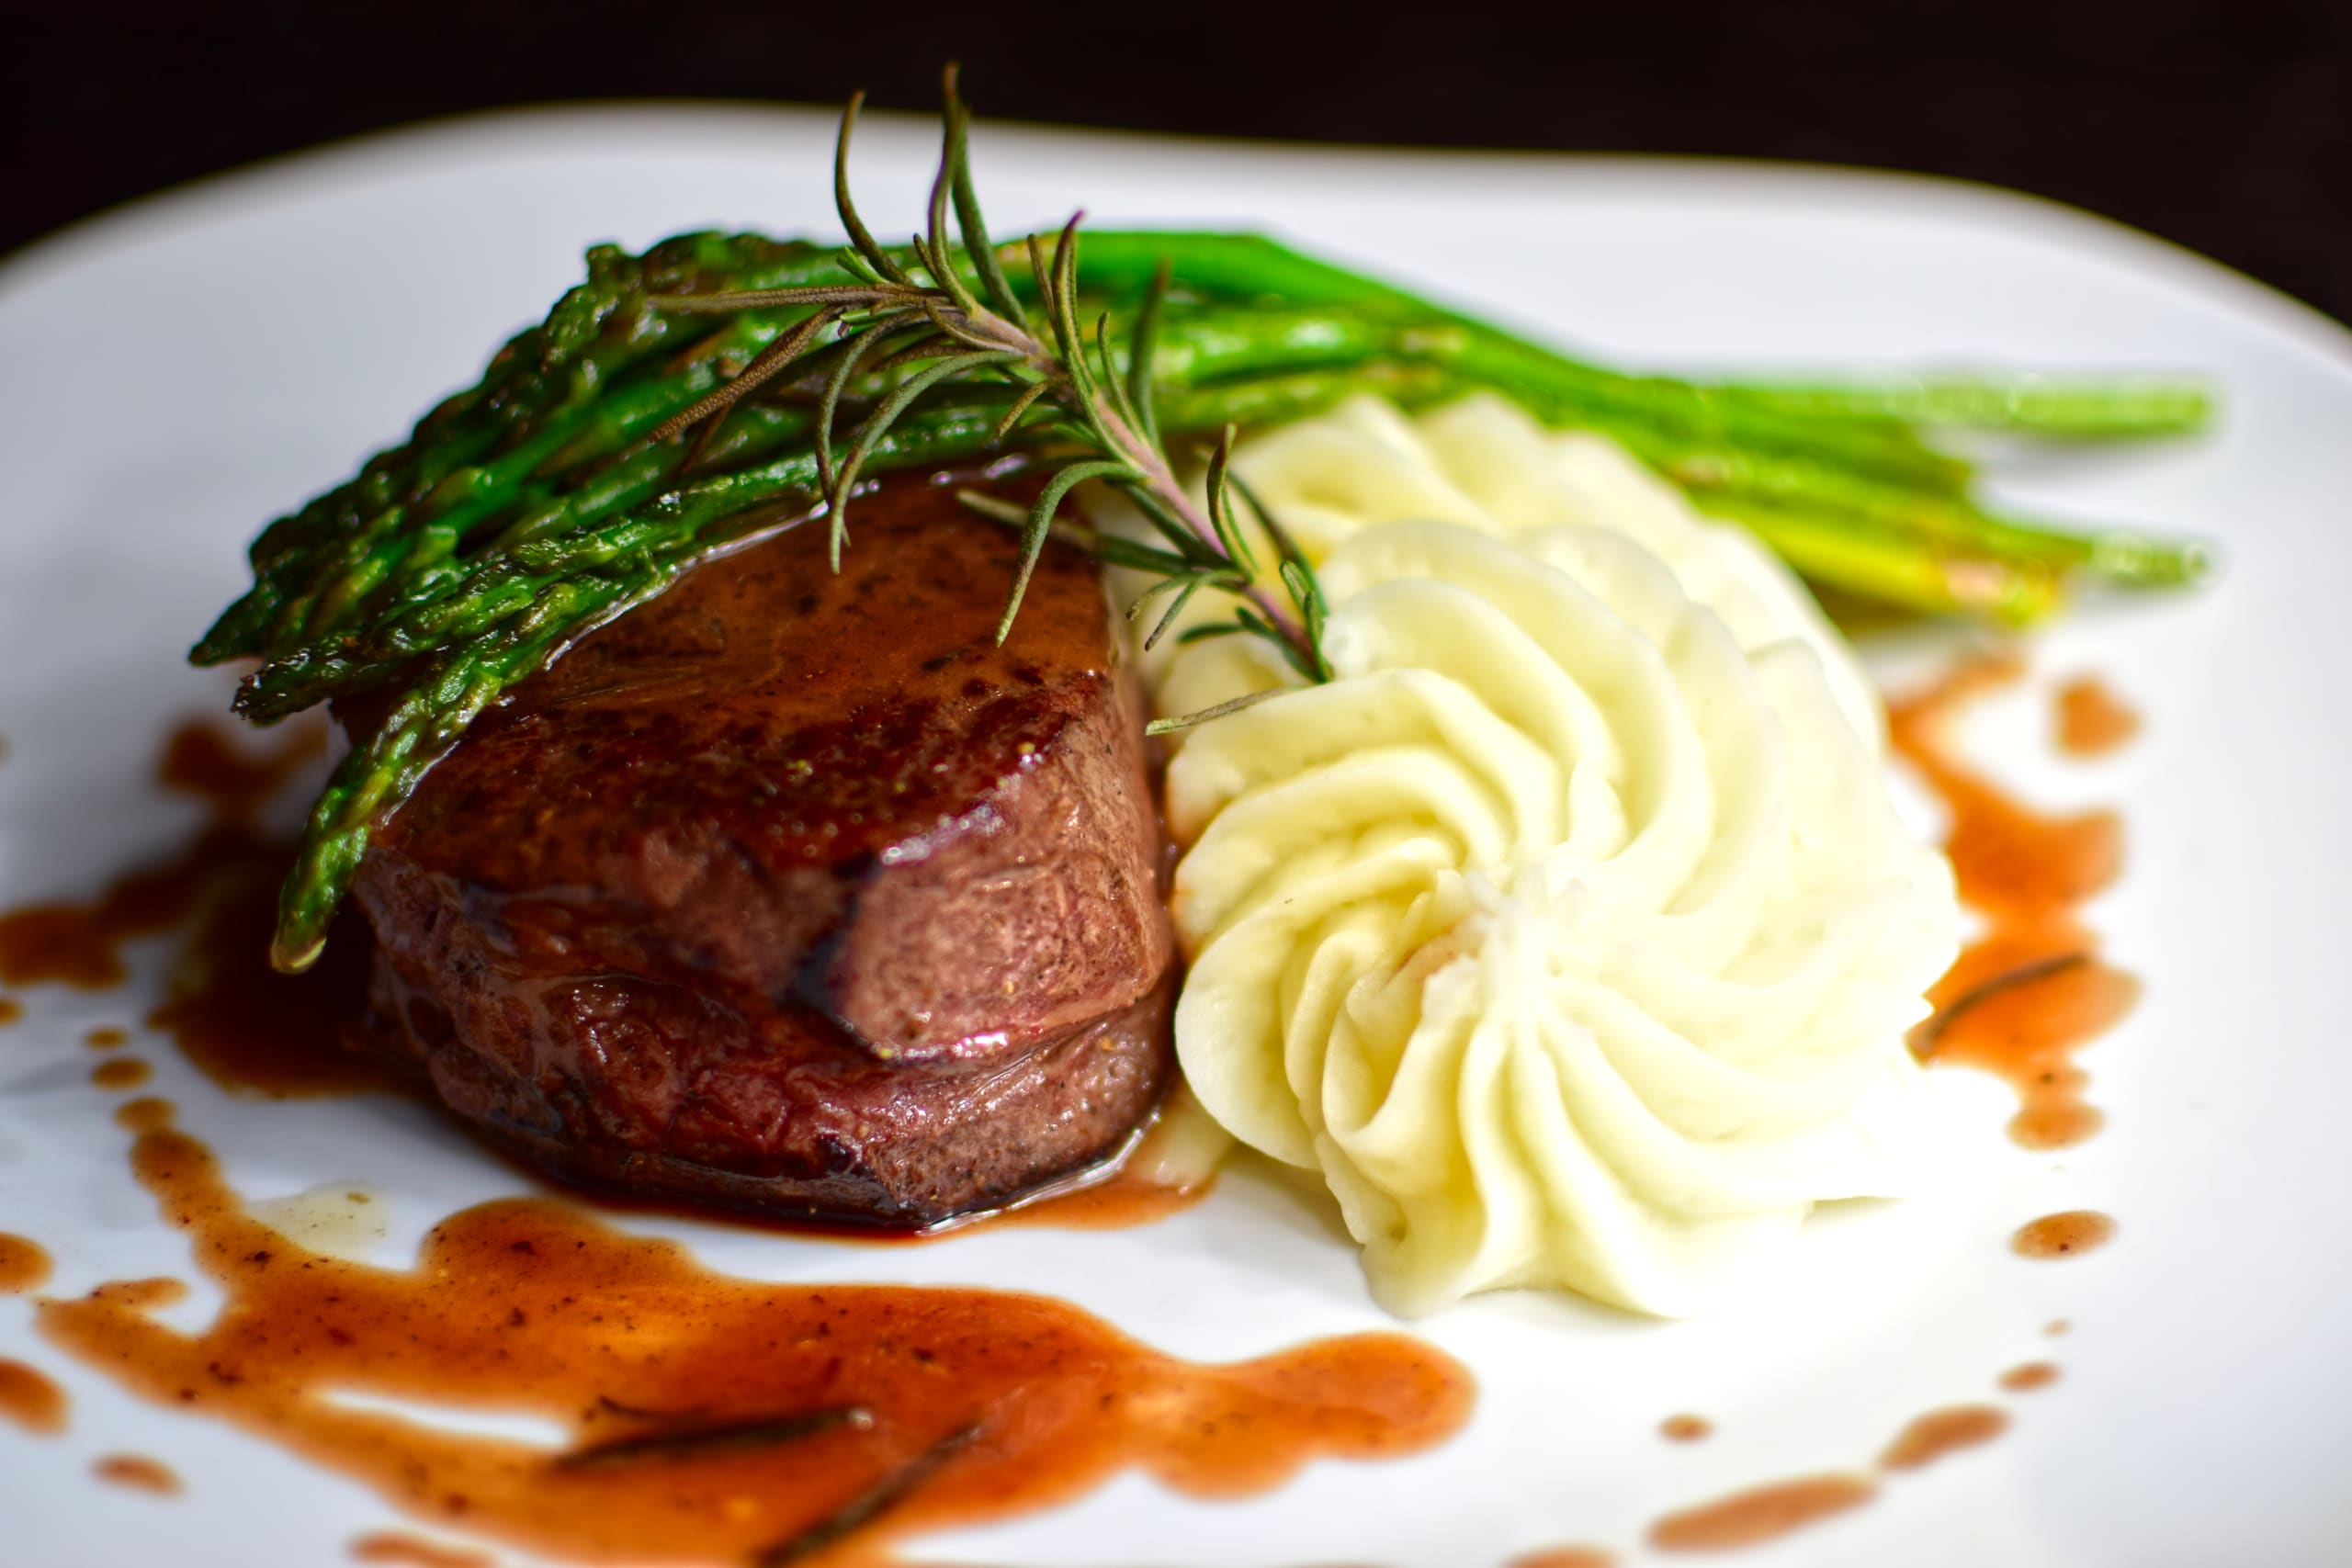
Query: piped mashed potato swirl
{"x": 1570, "y": 931}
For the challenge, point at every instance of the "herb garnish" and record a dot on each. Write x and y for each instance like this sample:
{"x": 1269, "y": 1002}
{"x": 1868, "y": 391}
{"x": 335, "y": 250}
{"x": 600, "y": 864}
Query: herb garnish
{"x": 626, "y": 439}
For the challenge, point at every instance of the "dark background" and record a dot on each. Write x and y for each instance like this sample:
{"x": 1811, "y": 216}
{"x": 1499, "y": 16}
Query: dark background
{"x": 2226, "y": 127}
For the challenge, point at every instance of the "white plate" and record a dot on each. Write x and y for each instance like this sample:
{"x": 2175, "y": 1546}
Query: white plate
{"x": 172, "y": 376}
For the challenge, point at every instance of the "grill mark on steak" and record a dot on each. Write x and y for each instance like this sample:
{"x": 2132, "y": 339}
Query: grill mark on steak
{"x": 792, "y": 891}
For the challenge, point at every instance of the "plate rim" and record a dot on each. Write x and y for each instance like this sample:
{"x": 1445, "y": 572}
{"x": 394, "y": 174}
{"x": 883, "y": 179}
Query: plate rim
{"x": 283, "y": 180}
{"x": 403, "y": 155}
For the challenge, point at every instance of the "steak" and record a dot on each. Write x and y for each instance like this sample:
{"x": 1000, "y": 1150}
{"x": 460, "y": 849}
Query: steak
{"x": 792, "y": 891}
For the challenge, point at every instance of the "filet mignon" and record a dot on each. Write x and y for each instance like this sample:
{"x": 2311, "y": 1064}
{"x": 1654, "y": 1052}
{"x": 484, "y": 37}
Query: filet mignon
{"x": 792, "y": 891}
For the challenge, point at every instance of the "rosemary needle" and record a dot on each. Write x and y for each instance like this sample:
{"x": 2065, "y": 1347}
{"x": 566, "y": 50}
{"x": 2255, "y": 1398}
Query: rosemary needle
{"x": 1925, "y": 1037}
{"x": 680, "y": 400}
{"x": 723, "y": 1438}
{"x": 868, "y": 1505}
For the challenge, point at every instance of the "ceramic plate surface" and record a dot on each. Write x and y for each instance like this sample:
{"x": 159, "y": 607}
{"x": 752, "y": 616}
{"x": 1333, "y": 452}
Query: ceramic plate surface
{"x": 175, "y": 374}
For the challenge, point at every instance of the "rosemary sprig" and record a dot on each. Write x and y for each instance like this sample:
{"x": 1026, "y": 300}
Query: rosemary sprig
{"x": 685, "y": 1441}
{"x": 867, "y": 1505}
{"x": 936, "y": 325}
{"x": 562, "y": 490}
{"x": 1923, "y": 1038}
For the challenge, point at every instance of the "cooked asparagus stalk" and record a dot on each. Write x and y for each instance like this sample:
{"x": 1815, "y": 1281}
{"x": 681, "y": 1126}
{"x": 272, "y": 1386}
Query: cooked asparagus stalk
{"x": 560, "y": 491}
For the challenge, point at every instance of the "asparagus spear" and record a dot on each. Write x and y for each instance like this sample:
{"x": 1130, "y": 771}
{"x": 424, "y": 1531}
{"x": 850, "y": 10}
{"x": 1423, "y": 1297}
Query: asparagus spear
{"x": 2105, "y": 409}
{"x": 1224, "y": 365}
{"x": 555, "y": 494}
{"x": 1250, "y": 267}
{"x": 394, "y": 553}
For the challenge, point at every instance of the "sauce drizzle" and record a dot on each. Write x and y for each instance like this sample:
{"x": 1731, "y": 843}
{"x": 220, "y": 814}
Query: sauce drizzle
{"x": 23, "y": 1265}
{"x": 975, "y": 1405}
{"x": 415, "y": 1552}
{"x": 1940, "y": 1432}
{"x": 139, "y": 1473}
{"x": 121, "y": 1072}
{"x": 81, "y": 944}
{"x": 1761, "y": 1513}
{"x": 2032, "y": 1375}
{"x": 2093, "y": 721}
{"x": 2031, "y": 990}
{"x": 145, "y": 1114}
{"x": 248, "y": 1027}
{"x": 2067, "y": 1235}
{"x": 31, "y": 1399}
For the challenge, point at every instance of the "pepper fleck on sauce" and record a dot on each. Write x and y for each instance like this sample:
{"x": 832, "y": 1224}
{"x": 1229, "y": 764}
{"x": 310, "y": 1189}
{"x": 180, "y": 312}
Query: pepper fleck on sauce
{"x": 23, "y": 1265}
{"x": 2032, "y": 990}
{"x": 2067, "y": 1235}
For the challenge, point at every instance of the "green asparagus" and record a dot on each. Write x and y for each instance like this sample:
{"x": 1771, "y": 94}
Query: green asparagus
{"x": 634, "y": 432}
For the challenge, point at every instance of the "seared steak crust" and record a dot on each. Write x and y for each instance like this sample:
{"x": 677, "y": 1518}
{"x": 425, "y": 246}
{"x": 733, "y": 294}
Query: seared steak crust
{"x": 791, "y": 890}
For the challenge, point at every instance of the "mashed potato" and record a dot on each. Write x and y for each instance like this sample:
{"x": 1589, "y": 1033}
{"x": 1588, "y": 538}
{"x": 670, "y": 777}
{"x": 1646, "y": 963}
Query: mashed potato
{"x": 1571, "y": 930}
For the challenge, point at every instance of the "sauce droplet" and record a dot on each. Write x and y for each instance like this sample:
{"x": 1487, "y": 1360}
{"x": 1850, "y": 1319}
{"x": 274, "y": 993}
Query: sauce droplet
{"x": 1565, "y": 1557}
{"x": 1761, "y": 1513}
{"x": 2067, "y": 1235}
{"x": 123, "y": 1072}
{"x": 146, "y": 1114}
{"x": 2031, "y": 991}
{"x": 2057, "y": 1327}
{"x": 81, "y": 944}
{"x": 1941, "y": 1432}
{"x": 415, "y": 1552}
{"x": 107, "y": 1038}
{"x": 23, "y": 1265}
{"x": 711, "y": 1416}
{"x": 2032, "y": 1375}
{"x": 31, "y": 1399}
{"x": 139, "y": 1473}
{"x": 2092, "y": 721}
{"x": 11, "y": 1010}
{"x": 248, "y": 1027}
{"x": 201, "y": 759}
{"x": 1686, "y": 1428}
